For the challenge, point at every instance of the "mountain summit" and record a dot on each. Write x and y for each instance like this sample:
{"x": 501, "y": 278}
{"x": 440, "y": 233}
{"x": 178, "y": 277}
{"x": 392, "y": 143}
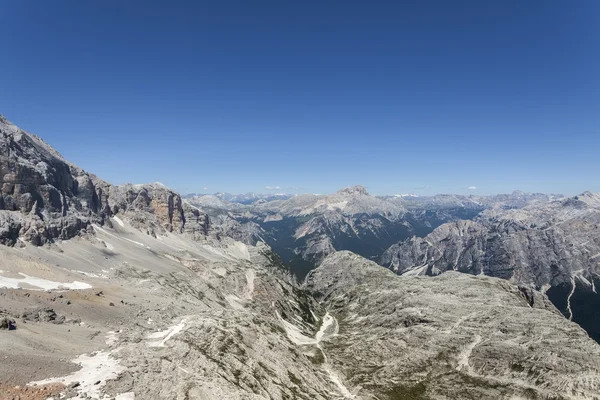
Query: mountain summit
{"x": 354, "y": 190}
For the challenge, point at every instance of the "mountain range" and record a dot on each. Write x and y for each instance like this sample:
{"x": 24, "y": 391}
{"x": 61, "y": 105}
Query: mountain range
{"x": 304, "y": 229}
{"x": 135, "y": 292}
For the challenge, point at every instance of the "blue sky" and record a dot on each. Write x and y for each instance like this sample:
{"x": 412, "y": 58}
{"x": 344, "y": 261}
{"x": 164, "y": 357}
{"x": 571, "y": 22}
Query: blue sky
{"x": 400, "y": 96}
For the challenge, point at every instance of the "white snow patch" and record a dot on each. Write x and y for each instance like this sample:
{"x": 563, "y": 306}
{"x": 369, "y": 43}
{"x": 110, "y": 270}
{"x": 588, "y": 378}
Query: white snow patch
{"x": 336, "y": 380}
{"x": 242, "y": 249}
{"x": 118, "y": 221}
{"x": 125, "y": 396}
{"x": 314, "y": 315}
{"x": 325, "y": 331}
{"x": 328, "y": 321}
{"x": 42, "y": 284}
{"x": 569, "y": 298}
{"x": 294, "y": 333}
{"x": 104, "y": 231}
{"x": 166, "y": 334}
{"x": 99, "y": 366}
{"x": 103, "y": 275}
{"x": 415, "y": 271}
{"x": 584, "y": 280}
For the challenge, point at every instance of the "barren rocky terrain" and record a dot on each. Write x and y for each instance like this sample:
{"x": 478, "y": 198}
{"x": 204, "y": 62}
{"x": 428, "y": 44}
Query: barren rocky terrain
{"x": 129, "y": 292}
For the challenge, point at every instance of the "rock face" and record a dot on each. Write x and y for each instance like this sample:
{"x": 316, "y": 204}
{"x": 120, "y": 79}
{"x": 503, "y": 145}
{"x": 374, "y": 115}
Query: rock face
{"x": 551, "y": 246}
{"x": 44, "y": 197}
{"x": 453, "y": 336}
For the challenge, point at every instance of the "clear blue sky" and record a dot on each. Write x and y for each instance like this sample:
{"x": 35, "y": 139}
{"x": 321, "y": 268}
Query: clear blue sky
{"x": 399, "y": 96}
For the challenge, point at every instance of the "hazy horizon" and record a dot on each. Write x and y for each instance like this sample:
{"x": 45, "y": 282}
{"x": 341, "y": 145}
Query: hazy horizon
{"x": 298, "y": 192}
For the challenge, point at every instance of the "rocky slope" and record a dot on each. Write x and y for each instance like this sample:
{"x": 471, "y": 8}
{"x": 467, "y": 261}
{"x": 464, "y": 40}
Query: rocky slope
{"x": 162, "y": 317}
{"x": 129, "y": 292}
{"x": 453, "y": 336}
{"x": 131, "y": 316}
{"x": 551, "y": 246}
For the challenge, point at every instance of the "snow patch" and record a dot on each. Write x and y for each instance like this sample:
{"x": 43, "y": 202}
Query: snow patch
{"x": 98, "y": 366}
{"x": 573, "y": 285}
{"x": 415, "y": 271}
{"x": 118, "y": 221}
{"x": 339, "y": 205}
{"x": 166, "y": 334}
{"x": 328, "y": 328}
{"x": 42, "y": 284}
{"x": 328, "y": 321}
{"x": 294, "y": 333}
{"x": 235, "y": 302}
{"x": 99, "y": 229}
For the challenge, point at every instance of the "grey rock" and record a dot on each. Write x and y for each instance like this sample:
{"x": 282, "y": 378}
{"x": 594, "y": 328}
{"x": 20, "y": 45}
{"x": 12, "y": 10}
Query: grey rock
{"x": 44, "y": 198}
{"x": 43, "y": 314}
{"x": 453, "y": 336}
{"x": 7, "y": 323}
{"x": 541, "y": 245}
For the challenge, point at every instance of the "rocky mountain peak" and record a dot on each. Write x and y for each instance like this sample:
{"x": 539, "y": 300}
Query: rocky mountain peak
{"x": 589, "y": 198}
{"x": 354, "y": 190}
{"x": 43, "y": 197}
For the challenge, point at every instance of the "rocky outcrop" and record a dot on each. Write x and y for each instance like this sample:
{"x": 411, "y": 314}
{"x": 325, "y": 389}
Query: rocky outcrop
{"x": 43, "y": 197}
{"x": 541, "y": 245}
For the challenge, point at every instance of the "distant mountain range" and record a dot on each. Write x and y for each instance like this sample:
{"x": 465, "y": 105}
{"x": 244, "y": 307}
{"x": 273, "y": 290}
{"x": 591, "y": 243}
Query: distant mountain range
{"x": 304, "y": 229}
{"x": 547, "y": 242}
{"x": 245, "y": 198}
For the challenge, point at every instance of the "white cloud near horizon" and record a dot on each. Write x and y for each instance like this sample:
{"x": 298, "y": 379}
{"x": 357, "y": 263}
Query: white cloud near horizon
{"x": 272, "y": 187}
{"x": 472, "y": 188}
